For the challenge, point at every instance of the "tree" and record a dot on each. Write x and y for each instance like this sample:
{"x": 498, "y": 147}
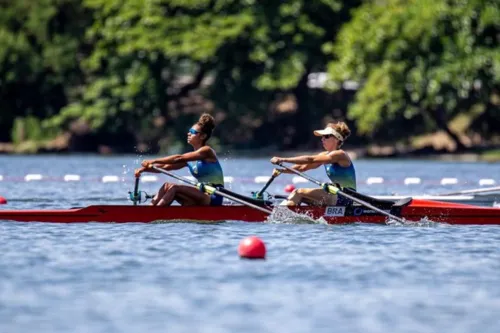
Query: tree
{"x": 39, "y": 57}
{"x": 250, "y": 51}
{"x": 420, "y": 59}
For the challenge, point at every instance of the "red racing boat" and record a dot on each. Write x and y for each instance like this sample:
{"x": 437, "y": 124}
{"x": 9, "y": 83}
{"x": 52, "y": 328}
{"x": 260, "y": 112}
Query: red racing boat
{"x": 408, "y": 209}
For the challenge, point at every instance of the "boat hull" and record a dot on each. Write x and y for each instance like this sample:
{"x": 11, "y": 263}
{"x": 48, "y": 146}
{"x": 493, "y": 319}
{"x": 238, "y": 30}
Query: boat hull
{"x": 415, "y": 211}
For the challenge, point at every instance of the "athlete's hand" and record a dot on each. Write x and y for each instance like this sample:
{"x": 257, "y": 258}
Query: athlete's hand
{"x": 147, "y": 163}
{"x": 276, "y": 160}
{"x": 138, "y": 172}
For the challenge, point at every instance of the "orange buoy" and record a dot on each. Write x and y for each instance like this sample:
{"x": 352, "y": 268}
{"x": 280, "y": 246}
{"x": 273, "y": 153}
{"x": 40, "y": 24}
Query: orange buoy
{"x": 252, "y": 248}
{"x": 3, "y": 201}
{"x": 289, "y": 188}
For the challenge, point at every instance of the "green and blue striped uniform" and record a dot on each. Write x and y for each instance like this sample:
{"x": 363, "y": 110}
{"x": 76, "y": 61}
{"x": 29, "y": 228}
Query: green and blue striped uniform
{"x": 344, "y": 176}
{"x": 208, "y": 173}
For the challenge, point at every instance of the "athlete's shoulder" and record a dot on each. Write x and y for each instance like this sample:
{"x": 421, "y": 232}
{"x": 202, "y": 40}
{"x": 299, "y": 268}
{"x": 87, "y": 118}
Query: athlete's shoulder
{"x": 205, "y": 150}
{"x": 208, "y": 151}
{"x": 337, "y": 152}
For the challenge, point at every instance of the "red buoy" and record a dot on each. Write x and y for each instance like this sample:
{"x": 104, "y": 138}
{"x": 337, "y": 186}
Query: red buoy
{"x": 252, "y": 248}
{"x": 289, "y": 188}
{"x": 3, "y": 201}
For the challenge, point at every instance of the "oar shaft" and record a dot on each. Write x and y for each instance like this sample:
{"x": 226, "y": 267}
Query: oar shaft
{"x": 473, "y": 191}
{"x": 303, "y": 175}
{"x": 364, "y": 203}
{"x": 229, "y": 196}
{"x": 269, "y": 181}
{"x": 353, "y": 198}
{"x": 222, "y": 194}
{"x": 136, "y": 190}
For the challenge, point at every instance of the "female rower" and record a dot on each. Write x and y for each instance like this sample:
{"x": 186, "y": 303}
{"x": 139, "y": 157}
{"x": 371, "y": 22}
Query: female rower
{"x": 202, "y": 163}
{"x": 339, "y": 167}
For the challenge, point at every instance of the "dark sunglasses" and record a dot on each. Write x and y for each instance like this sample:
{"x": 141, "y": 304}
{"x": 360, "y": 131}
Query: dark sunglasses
{"x": 328, "y": 136}
{"x": 193, "y": 131}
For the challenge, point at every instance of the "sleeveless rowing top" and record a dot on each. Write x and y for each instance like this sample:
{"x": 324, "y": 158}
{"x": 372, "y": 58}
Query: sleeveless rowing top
{"x": 207, "y": 172}
{"x": 345, "y": 176}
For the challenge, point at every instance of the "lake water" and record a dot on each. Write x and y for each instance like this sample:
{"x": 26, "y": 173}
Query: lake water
{"x": 187, "y": 277}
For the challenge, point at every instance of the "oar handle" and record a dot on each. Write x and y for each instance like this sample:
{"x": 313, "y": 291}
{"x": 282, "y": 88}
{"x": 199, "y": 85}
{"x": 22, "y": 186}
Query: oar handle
{"x": 303, "y": 175}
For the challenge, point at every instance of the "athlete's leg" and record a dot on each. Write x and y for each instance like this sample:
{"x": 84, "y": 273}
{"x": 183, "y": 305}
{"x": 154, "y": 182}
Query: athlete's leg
{"x": 312, "y": 196}
{"x": 186, "y": 195}
{"x": 161, "y": 192}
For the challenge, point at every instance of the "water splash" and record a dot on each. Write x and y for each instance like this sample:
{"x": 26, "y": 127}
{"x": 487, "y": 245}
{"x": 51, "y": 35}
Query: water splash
{"x": 283, "y": 215}
{"x": 423, "y": 222}
{"x": 125, "y": 172}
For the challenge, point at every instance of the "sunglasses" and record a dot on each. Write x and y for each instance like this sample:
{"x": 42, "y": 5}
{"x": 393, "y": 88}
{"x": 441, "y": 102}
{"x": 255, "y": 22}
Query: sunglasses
{"x": 328, "y": 136}
{"x": 193, "y": 131}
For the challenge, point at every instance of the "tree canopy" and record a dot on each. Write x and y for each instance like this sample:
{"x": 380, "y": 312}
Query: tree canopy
{"x": 136, "y": 71}
{"x": 39, "y": 58}
{"x": 421, "y": 61}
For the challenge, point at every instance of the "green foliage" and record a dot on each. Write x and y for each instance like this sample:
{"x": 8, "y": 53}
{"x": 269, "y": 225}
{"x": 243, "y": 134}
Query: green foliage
{"x": 39, "y": 57}
{"x": 27, "y": 129}
{"x": 431, "y": 57}
{"x": 136, "y": 68}
{"x": 249, "y": 49}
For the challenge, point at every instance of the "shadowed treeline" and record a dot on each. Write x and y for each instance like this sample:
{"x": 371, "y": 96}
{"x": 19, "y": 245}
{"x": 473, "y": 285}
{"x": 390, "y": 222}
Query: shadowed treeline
{"x": 128, "y": 75}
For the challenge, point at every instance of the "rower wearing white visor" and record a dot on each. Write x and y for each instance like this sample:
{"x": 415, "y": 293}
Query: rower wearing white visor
{"x": 338, "y": 166}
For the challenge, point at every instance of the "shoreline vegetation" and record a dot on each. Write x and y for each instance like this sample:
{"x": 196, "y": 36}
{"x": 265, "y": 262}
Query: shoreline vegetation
{"x": 411, "y": 79}
{"x": 436, "y": 145}
{"x": 436, "y": 150}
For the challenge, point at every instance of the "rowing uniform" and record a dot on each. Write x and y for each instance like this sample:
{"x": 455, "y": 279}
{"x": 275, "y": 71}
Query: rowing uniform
{"x": 209, "y": 173}
{"x": 344, "y": 176}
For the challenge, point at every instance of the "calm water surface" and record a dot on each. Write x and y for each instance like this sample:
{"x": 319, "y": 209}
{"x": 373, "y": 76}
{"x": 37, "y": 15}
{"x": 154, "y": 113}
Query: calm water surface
{"x": 187, "y": 277}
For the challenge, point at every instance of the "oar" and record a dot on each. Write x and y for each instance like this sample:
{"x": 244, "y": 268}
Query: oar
{"x": 135, "y": 196}
{"x": 334, "y": 190}
{"x": 212, "y": 190}
{"x": 259, "y": 194}
{"x": 473, "y": 191}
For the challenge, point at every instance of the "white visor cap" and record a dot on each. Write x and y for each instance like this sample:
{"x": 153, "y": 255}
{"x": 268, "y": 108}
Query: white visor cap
{"x": 329, "y": 131}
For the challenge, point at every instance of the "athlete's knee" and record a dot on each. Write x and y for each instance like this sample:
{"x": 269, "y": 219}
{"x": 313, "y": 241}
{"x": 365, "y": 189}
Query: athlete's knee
{"x": 169, "y": 186}
{"x": 301, "y": 191}
{"x": 161, "y": 202}
{"x": 296, "y": 193}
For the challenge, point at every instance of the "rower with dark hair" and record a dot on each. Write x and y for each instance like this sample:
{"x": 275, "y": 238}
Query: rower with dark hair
{"x": 202, "y": 163}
